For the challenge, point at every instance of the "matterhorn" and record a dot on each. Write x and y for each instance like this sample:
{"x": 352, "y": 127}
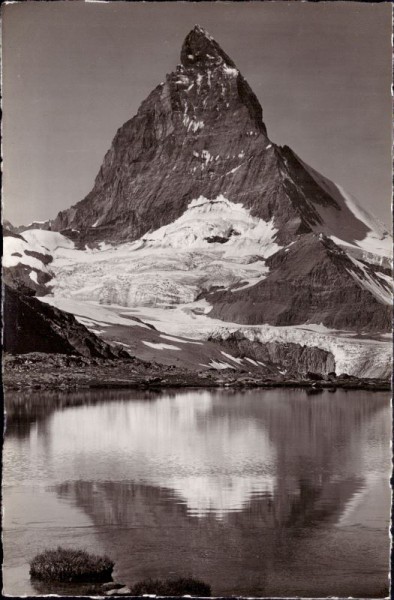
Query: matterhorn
{"x": 204, "y": 244}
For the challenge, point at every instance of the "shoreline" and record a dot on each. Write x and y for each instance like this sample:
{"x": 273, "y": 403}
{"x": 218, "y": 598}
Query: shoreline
{"x": 66, "y": 373}
{"x": 370, "y": 387}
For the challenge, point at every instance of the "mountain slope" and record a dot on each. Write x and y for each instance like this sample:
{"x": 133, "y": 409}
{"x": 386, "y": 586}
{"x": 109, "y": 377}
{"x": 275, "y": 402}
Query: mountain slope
{"x": 32, "y": 326}
{"x": 311, "y": 281}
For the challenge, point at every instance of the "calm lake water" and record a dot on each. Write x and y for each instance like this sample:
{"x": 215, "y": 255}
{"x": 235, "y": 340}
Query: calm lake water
{"x": 264, "y": 493}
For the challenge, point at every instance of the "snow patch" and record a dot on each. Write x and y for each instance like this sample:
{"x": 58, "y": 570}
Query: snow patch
{"x": 220, "y": 365}
{"x": 254, "y": 281}
{"x": 253, "y": 362}
{"x": 160, "y": 346}
{"x": 234, "y": 170}
{"x": 206, "y": 156}
{"x": 192, "y": 125}
{"x": 180, "y": 341}
{"x": 230, "y": 71}
{"x": 236, "y": 360}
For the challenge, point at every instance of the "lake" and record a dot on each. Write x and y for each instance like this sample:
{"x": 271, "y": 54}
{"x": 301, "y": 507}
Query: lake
{"x": 262, "y": 492}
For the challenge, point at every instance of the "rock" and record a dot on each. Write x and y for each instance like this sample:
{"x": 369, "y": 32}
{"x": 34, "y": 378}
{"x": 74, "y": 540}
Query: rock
{"x": 314, "y": 376}
{"x": 112, "y": 585}
{"x": 124, "y": 591}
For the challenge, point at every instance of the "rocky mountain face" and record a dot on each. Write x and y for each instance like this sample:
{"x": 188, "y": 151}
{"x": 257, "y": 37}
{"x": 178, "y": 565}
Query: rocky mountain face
{"x": 200, "y": 132}
{"x": 32, "y": 326}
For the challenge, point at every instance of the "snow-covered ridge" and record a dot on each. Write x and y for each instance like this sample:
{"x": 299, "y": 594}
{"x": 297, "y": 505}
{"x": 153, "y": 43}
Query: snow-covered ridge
{"x": 14, "y": 254}
{"x": 39, "y": 241}
{"x": 204, "y": 219}
{"x": 350, "y": 225}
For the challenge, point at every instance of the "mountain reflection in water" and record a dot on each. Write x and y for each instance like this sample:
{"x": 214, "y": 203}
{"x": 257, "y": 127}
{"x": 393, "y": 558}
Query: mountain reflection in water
{"x": 262, "y": 493}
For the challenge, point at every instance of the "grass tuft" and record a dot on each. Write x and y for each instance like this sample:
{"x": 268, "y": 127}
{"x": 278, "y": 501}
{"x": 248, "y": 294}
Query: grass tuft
{"x": 66, "y": 564}
{"x": 172, "y": 587}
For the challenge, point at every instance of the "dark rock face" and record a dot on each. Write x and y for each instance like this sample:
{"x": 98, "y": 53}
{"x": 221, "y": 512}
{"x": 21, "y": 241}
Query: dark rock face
{"x": 308, "y": 282}
{"x": 32, "y": 326}
{"x": 295, "y": 358}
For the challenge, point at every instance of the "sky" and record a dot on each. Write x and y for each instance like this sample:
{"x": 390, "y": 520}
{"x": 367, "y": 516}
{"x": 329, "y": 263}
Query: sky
{"x": 74, "y": 72}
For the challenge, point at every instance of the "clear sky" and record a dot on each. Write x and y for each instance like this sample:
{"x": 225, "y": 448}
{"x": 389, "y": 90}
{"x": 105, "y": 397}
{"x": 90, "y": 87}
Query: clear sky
{"x": 74, "y": 72}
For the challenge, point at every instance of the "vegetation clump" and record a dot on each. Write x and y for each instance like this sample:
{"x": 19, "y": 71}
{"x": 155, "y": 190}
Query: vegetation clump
{"x": 172, "y": 587}
{"x": 70, "y": 565}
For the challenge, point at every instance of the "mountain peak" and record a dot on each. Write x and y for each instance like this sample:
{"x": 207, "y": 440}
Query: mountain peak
{"x": 200, "y": 50}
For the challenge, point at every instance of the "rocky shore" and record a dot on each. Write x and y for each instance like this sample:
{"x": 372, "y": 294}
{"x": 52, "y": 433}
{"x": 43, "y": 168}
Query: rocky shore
{"x": 61, "y": 372}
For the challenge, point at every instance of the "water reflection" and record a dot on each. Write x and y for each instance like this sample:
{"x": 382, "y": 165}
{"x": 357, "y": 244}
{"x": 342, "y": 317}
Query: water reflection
{"x": 255, "y": 492}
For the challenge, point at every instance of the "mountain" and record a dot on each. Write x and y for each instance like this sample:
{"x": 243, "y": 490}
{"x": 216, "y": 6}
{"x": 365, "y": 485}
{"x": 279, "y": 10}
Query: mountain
{"x": 201, "y": 133}
{"x": 198, "y": 221}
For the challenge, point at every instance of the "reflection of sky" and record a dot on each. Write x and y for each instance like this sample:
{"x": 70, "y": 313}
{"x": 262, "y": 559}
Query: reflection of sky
{"x": 293, "y": 489}
{"x": 192, "y": 443}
